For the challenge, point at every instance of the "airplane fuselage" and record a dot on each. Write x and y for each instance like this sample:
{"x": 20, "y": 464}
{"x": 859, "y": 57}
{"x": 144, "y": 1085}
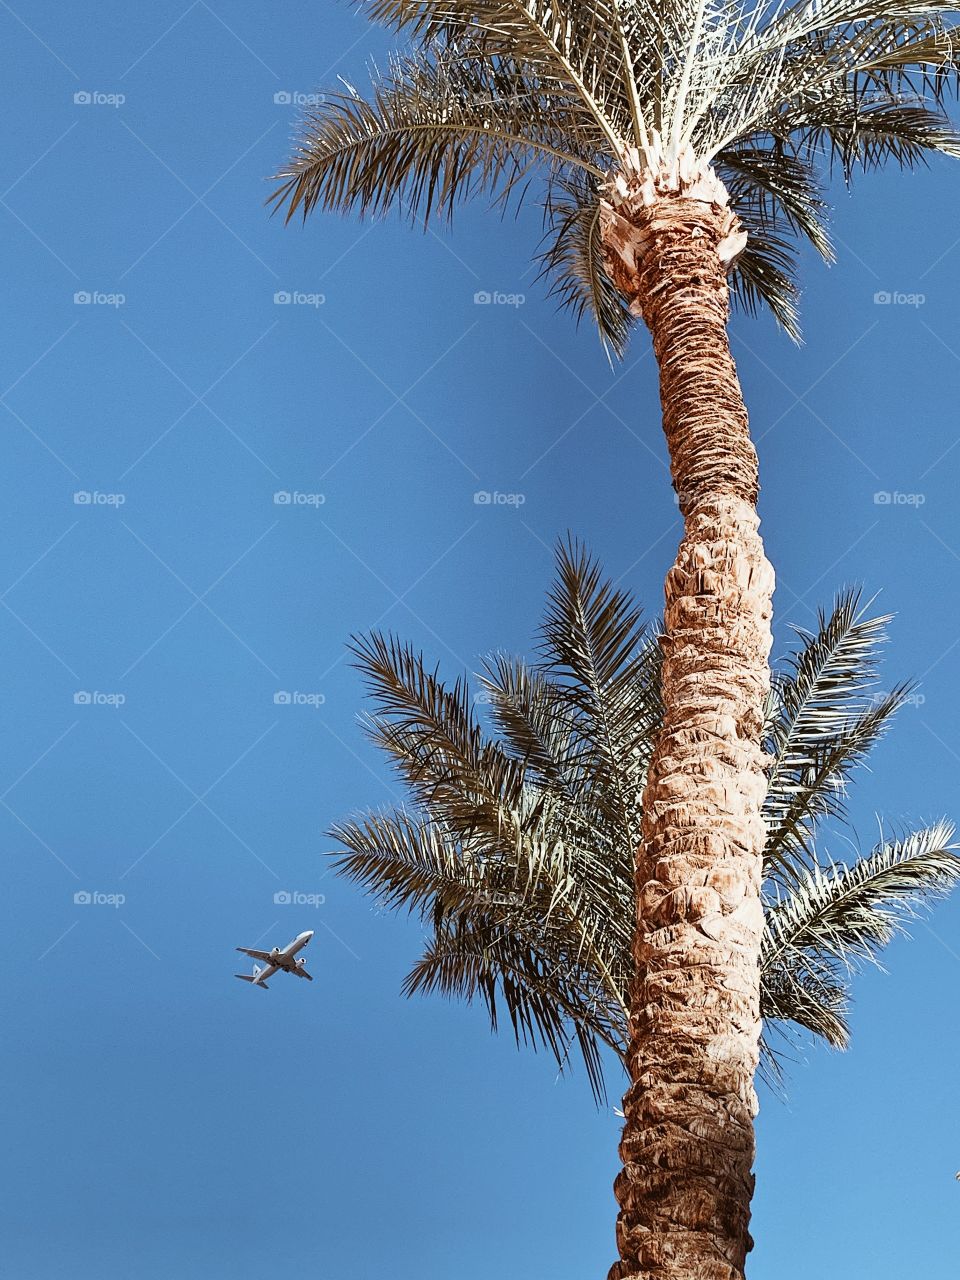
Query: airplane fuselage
{"x": 284, "y": 959}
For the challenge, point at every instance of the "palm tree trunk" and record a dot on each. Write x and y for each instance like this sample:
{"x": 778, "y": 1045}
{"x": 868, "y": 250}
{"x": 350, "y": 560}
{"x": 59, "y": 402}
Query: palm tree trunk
{"x": 688, "y": 1143}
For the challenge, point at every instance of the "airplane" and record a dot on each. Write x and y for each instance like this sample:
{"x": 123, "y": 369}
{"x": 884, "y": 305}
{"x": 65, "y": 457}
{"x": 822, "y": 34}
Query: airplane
{"x": 276, "y": 960}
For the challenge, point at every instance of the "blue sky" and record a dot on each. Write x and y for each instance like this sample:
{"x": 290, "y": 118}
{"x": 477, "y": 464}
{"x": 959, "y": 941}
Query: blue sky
{"x": 161, "y": 1118}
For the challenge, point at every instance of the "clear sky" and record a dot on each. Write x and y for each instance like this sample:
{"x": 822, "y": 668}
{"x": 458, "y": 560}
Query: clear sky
{"x": 161, "y": 1119}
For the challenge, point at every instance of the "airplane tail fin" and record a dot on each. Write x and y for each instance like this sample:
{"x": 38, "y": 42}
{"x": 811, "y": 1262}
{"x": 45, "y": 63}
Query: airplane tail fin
{"x": 245, "y": 977}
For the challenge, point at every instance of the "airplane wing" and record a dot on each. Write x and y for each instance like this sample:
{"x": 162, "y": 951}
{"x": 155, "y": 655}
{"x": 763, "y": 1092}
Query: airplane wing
{"x": 302, "y": 973}
{"x": 257, "y": 955}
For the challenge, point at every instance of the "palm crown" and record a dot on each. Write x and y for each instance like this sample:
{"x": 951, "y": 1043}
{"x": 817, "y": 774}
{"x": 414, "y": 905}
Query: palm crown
{"x": 582, "y": 92}
{"x": 519, "y": 852}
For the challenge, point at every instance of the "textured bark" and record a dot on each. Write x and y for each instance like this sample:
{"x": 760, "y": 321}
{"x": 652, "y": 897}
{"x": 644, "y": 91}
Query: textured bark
{"x": 687, "y": 1148}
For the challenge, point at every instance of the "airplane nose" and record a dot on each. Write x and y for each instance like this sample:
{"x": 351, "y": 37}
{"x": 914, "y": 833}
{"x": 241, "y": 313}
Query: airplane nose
{"x": 308, "y": 935}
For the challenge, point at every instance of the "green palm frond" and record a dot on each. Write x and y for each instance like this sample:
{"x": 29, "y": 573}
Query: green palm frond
{"x": 573, "y": 259}
{"x": 820, "y": 57}
{"x": 765, "y": 276}
{"x": 514, "y": 918}
{"x": 439, "y": 126}
{"x": 499, "y": 93}
{"x": 407, "y": 863}
{"x": 576, "y": 44}
{"x": 838, "y": 916}
{"x": 470, "y": 959}
{"x": 835, "y": 666}
{"x": 431, "y": 734}
{"x": 803, "y": 991}
{"x": 595, "y": 646}
{"x": 818, "y": 790}
{"x": 825, "y": 717}
{"x": 865, "y": 131}
{"x": 778, "y": 198}
{"x": 519, "y": 858}
{"x": 773, "y": 188}
{"x": 536, "y": 725}
{"x": 904, "y": 133}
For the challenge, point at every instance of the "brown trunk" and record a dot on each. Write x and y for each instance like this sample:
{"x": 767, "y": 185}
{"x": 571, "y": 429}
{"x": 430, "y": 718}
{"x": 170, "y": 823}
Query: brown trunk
{"x": 687, "y": 1149}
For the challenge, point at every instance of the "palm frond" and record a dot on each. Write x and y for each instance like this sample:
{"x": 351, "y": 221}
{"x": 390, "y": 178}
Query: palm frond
{"x": 431, "y": 734}
{"x": 803, "y": 991}
{"x": 765, "y": 275}
{"x": 772, "y": 188}
{"x": 816, "y": 789}
{"x": 519, "y": 858}
{"x": 536, "y": 725}
{"x": 840, "y": 916}
{"x": 595, "y": 645}
{"x": 834, "y": 667}
{"x": 438, "y": 127}
{"x": 579, "y": 44}
{"x": 574, "y": 258}
{"x": 516, "y": 918}
{"x": 499, "y": 93}
{"x": 857, "y": 130}
{"x": 547, "y": 1005}
{"x": 822, "y": 56}
{"x": 825, "y": 716}
{"x": 406, "y": 863}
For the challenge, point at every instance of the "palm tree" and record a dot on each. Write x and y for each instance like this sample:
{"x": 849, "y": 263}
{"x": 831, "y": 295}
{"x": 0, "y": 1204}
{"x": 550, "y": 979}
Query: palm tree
{"x": 518, "y": 852}
{"x": 680, "y": 145}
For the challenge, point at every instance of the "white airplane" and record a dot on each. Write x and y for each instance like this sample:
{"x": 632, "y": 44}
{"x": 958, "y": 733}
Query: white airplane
{"x": 276, "y": 960}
